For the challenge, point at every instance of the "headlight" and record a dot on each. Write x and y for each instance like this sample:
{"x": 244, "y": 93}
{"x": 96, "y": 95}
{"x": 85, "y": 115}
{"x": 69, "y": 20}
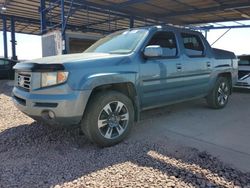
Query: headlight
{"x": 53, "y": 78}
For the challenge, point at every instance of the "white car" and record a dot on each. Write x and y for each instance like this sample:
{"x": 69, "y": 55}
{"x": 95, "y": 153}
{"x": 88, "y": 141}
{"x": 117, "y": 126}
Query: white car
{"x": 244, "y": 72}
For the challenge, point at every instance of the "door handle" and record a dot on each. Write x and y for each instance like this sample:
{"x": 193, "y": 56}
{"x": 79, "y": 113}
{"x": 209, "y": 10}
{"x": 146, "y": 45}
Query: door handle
{"x": 178, "y": 66}
{"x": 208, "y": 64}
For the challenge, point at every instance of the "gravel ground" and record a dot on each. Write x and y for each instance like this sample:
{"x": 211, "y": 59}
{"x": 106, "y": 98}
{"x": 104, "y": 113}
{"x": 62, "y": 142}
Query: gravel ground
{"x": 33, "y": 155}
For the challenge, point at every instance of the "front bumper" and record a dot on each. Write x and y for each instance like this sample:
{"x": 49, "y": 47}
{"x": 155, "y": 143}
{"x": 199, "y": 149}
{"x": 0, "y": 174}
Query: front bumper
{"x": 67, "y": 108}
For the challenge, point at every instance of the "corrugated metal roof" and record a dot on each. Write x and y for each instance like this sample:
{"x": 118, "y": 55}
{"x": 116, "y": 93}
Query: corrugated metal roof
{"x": 110, "y": 15}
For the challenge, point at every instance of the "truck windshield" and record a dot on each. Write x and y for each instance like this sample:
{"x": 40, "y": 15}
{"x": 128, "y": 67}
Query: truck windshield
{"x": 121, "y": 42}
{"x": 244, "y": 60}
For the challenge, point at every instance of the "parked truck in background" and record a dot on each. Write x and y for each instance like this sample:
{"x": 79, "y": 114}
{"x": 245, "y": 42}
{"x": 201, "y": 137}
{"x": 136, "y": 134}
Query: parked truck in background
{"x": 105, "y": 89}
{"x": 244, "y": 72}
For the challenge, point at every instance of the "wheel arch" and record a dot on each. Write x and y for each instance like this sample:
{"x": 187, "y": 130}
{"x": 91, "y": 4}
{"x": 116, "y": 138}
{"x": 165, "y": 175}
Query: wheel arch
{"x": 127, "y": 88}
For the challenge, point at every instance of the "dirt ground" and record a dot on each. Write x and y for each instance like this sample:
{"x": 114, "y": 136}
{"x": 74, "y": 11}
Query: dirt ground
{"x": 34, "y": 155}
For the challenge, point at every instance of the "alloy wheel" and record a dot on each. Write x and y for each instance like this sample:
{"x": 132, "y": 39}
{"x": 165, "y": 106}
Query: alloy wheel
{"x": 223, "y": 93}
{"x": 113, "y": 120}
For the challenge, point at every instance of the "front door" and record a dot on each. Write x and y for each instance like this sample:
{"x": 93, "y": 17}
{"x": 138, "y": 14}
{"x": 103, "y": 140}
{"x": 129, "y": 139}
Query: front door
{"x": 161, "y": 78}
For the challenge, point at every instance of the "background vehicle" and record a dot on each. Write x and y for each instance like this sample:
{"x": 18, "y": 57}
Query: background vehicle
{"x": 6, "y": 68}
{"x": 105, "y": 88}
{"x": 244, "y": 72}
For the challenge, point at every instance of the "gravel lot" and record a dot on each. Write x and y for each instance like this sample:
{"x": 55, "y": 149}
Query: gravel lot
{"x": 33, "y": 155}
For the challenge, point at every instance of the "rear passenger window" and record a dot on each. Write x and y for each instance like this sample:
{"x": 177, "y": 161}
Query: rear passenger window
{"x": 193, "y": 45}
{"x": 167, "y": 41}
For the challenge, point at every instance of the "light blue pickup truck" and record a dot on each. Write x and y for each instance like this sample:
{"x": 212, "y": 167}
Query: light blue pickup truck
{"x": 105, "y": 88}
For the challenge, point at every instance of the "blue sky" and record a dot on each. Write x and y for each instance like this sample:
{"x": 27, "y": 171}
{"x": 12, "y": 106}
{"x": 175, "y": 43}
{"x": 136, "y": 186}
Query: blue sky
{"x": 236, "y": 40}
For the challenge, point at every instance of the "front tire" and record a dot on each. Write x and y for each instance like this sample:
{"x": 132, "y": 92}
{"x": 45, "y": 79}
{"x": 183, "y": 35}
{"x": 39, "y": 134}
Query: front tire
{"x": 108, "y": 118}
{"x": 218, "y": 98}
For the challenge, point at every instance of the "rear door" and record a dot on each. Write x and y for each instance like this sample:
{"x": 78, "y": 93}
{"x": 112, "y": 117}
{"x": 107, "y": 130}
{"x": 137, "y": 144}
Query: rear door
{"x": 197, "y": 65}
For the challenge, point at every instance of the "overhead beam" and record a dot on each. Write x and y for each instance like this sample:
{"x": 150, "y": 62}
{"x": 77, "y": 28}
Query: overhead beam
{"x": 185, "y": 4}
{"x": 21, "y": 19}
{"x": 119, "y": 11}
{"x": 103, "y": 22}
{"x": 207, "y": 10}
{"x": 128, "y": 3}
{"x": 94, "y": 7}
{"x": 37, "y": 22}
{"x": 212, "y": 21}
{"x": 224, "y": 27}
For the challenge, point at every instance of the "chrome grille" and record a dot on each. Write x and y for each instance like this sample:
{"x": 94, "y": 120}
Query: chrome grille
{"x": 24, "y": 80}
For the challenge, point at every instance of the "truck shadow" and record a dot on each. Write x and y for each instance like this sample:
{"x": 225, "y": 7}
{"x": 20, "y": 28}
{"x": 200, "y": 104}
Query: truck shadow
{"x": 241, "y": 90}
{"x": 36, "y": 156}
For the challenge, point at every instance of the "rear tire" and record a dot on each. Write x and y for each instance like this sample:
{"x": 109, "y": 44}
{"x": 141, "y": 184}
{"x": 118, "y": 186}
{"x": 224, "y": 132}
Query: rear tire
{"x": 108, "y": 118}
{"x": 218, "y": 97}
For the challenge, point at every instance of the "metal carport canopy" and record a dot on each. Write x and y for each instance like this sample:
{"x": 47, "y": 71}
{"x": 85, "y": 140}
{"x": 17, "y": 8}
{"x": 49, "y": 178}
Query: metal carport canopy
{"x": 104, "y": 16}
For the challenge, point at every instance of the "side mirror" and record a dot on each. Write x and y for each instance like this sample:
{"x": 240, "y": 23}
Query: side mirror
{"x": 153, "y": 51}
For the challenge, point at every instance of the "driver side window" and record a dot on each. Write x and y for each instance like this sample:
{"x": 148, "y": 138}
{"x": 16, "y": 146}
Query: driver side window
{"x": 167, "y": 41}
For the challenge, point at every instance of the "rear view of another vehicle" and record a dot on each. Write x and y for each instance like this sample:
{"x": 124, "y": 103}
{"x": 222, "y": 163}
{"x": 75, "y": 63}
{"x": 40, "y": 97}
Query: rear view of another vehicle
{"x": 6, "y": 68}
{"x": 244, "y": 72}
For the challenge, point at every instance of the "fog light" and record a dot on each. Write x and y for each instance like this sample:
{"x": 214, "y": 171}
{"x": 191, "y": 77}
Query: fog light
{"x": 51, "y": 115}
{"x": 48, "y": 114}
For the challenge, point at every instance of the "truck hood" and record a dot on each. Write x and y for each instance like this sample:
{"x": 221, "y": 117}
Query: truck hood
{"x": 74, "y": 58}
{"x": 72, "y": 62}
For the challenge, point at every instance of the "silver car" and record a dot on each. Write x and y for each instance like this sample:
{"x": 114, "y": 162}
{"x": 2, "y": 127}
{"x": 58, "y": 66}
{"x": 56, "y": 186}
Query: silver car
{"x": 244, "y": 72}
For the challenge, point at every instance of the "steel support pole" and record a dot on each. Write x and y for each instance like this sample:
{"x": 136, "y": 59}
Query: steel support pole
{"x": 43, "y": 16}
{"x": 63, "y": 28}
{"x": 5, "y": 39}
{"x": 206, "y": 34}
{"x": 13, "y": 38}
{"x": 131, "y": 23}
